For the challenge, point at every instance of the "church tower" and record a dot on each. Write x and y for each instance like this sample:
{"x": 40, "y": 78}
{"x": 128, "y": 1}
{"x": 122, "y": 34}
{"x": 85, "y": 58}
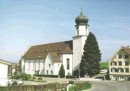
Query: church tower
{"x": 79, "y": 40}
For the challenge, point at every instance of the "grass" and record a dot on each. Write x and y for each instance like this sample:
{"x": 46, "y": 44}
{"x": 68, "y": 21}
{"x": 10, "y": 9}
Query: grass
{"x": 104, "y": 65}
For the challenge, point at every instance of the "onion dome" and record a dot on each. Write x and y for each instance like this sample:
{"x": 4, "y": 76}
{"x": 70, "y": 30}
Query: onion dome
{"x": 81, "y": 19}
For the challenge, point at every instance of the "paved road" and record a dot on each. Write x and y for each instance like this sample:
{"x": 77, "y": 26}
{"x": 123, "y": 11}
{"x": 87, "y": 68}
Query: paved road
{"x": 110, "y": 86}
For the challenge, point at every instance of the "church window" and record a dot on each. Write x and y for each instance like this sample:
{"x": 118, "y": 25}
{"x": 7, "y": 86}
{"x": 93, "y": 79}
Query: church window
{"x": 49, "y": 65}
{"x": 68, "y": 64}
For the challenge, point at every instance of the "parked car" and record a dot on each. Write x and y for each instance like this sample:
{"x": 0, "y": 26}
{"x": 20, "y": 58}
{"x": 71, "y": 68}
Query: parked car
{"x": 10, "y": 82}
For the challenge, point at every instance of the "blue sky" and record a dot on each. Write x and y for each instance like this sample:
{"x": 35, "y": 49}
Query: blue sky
{"x": 30, "y": 22}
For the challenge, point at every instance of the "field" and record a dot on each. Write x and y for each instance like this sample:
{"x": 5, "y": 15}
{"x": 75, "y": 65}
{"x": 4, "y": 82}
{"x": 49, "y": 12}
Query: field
{"x": 103, "y": 65}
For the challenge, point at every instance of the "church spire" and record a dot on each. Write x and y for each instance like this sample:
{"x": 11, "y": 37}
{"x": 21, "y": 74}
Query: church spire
{"x": 81, "y": 19}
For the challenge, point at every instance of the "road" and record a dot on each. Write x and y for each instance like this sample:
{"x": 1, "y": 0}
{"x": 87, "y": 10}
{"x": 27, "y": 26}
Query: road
{"x": 110, "y": 86}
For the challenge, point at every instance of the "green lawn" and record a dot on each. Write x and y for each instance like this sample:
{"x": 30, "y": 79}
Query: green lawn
{"x": 103, "y": 65}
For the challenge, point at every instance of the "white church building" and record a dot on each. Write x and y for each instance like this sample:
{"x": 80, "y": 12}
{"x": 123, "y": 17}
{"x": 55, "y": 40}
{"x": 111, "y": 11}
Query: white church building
{"x": 47, "y": 59}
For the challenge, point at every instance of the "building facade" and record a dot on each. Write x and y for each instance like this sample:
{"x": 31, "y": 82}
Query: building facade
{"x": 119, "y": 64}
{"x": 47, "y": 58}
{"x": 4, "y": 72}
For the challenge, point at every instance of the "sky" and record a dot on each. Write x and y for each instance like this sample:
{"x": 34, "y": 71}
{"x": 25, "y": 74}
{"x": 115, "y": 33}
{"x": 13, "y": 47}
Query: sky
{"x": 24, "y": 23}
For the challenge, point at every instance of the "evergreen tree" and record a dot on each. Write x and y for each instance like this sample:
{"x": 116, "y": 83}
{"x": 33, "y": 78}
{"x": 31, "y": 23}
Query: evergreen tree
{"x": 91, "y": 57}
{"x": 62, "y": 71}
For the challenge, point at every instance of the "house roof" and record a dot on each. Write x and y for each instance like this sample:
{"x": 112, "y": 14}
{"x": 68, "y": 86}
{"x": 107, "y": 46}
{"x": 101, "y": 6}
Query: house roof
{"x": 126, "y": 49}
{"x": 4, "y": 62}
{"x": 41, "y": 51}
{"x": 14, "y": 65}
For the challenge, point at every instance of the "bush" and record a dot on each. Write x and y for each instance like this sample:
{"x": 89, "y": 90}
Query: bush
{"x": 128, "y": 78}
{"x": 76, "y": 73}
{"x": 17, "y": 76}
{"x": 80, "y": 86}
{"x": 62, "y": 71}
{"x": 39, "y": 78}
{"x": 55, "y": 76}
{"x": 70, "y": 76}
{"x": 14, "y": 83}
{"x": 25, "y": 76}
{"x": 71, "y": 82}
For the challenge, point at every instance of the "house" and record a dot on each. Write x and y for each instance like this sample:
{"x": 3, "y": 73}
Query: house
{"x": 119, "y": 64}
{"x": 4, "y": 72}
{"x": 47, "y": 58}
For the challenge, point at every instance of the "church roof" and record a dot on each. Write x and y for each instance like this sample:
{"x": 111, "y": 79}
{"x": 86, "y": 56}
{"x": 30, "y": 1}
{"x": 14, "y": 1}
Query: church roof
{"x": 55, "y": 57}
{"x": 41, "y": 51}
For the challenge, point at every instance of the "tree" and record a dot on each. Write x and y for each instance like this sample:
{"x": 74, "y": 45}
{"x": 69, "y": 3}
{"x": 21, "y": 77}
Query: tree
{"x": 62, "y": 71}
{"x": 76, "y": 73}
{"x": 91, "y": 57}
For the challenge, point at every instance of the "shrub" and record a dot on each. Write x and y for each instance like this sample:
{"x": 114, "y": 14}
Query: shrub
{"x": 128, "y": 78}
{"x": 34, "y": 77}
{"x": 76, "y": 73}
{"x": 70, "y": 76}
{"x": 25, "y": 76}
{"x": 62, "y": 71}
{"x": 71, "y": 82}
{"x": 47, "y": 76}
{"x": 14, "y": 83}
{"x": 39, "y": 78}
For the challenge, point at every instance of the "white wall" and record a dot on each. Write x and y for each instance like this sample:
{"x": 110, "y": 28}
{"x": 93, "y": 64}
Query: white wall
{"x": 30, "y": 66}
{"x": 57, "y": 68}
{"x": 3, "y": 74}
{"x": 78, "y": 45}
{"x": 82, "y": 30}
{"x": 64, "y": 61}
{"x": 48, "y": 61}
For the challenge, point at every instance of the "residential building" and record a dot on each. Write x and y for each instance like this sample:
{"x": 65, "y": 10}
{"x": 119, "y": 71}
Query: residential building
{"x": 119, "y": 64}
{"x": 4, "y": 72}
{"x": 48, "y": 58}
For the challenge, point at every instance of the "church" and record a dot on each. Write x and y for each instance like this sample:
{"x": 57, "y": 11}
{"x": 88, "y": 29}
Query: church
{"x": 46, "y": 59}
